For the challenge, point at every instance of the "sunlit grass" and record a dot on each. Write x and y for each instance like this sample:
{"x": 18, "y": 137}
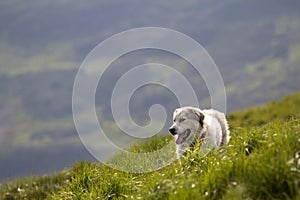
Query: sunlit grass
{"x": 262, "y": 161}
{"x": 259, "y": 163}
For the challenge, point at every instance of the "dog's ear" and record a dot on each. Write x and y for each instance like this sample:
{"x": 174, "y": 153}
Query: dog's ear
{"x": 200, "y": 116}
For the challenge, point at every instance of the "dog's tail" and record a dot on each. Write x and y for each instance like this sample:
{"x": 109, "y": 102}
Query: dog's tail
{"x": 224, "y": 125}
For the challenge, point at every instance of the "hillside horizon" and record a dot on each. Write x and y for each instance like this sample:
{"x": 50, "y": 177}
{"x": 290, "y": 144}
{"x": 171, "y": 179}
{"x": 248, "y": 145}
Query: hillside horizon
{"x": 261, "y": 161}
{"x": 255, "y": 45}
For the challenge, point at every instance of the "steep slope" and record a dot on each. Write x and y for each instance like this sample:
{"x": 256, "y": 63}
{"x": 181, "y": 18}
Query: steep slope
{"x": 260, "y": 162}
{"x": 255, "y": 44}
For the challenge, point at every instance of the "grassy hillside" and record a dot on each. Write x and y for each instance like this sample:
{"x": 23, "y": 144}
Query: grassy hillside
{"x": 255, "y": 44}
{"x": 285, "y": 109}
{"x": 262, "y": 161}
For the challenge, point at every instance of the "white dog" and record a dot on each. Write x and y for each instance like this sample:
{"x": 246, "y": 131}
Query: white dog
{"x": 192, "y": 124}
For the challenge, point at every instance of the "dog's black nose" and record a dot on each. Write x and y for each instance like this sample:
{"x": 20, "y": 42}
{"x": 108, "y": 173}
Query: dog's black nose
{"x": 172, "y": 131}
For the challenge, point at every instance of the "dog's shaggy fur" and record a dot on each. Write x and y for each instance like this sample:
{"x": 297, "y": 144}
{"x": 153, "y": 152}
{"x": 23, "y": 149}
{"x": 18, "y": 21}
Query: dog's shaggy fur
{"x": 193, "y": 124}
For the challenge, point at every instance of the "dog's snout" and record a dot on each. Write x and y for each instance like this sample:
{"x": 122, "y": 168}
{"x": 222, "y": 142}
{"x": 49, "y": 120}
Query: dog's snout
{"x": 172, "y": 130}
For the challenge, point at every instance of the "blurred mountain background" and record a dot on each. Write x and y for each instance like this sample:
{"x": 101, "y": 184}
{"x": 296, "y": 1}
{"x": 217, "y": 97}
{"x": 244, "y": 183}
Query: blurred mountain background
{"x": 255, "y": 44}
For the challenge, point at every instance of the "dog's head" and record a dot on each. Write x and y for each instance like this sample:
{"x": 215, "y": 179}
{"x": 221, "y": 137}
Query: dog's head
{"x": 186, "y": 122}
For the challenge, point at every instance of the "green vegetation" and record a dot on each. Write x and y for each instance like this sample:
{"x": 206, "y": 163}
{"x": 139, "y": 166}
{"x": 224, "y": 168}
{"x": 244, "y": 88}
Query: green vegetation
{"x": 255, "y": 44}
{"x": 285, "y": 109}
{"x": 35, "y": 187}
{"x": 262, "y": 161}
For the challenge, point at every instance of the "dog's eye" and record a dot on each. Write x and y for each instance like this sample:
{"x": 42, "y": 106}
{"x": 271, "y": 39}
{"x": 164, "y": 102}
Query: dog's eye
{"x": 181, "y": 120}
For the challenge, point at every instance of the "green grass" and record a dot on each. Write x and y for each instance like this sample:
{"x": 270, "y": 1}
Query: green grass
{"x": 262, "y": 161}
{"x": 257, "y": 116}
{"x": 35, "y": 187}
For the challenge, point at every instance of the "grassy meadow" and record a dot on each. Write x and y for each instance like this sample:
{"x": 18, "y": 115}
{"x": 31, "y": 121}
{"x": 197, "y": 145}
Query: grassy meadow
{"x": 262, "y": 161}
